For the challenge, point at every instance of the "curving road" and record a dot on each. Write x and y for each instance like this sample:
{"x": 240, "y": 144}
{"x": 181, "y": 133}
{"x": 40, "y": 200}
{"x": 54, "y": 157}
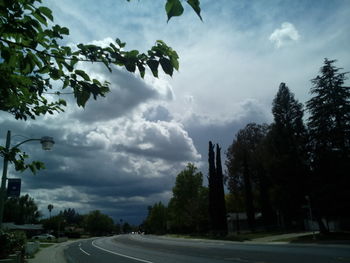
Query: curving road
{"x": 152, "y": 249}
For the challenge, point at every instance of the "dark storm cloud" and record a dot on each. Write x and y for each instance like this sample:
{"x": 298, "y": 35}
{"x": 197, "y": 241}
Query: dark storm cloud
{"x": 202, "y": 130}
{"x": 127, "y": 92}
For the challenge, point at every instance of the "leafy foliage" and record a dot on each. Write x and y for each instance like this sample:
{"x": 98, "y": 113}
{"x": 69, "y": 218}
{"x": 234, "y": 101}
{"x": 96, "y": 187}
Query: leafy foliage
{"x": 21, "y": 210}
{"x": 187, "y": 209}
{"x": 156, "y": 221}
{"x": 10, "y": 242}
{"x": 98, "y": 224}
{"x": 34, "y": 63}
{"x": 244, "y": 166}
{"x": 18, "y": 158}
{"x": 329, "y": 129}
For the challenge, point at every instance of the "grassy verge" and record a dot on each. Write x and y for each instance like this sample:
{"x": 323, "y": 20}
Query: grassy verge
{"x": 331, "y": 238}
{"x": 233, "y": 237}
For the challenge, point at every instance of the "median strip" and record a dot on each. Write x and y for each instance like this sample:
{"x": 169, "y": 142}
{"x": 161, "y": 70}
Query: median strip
{"x": 121, "y": 255}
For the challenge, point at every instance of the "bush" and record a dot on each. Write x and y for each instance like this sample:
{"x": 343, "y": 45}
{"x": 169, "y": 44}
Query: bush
{"x": 11, "y": 241}
{"x": 73, "y": 234}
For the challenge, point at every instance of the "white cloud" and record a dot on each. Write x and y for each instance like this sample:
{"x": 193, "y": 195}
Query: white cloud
{"x": 284, "y": 35}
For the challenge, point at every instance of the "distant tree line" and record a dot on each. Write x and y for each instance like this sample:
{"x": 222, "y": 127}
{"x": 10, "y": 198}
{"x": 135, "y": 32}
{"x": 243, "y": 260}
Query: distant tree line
{"x": 24, "y": 210}
{"x": 278, "y": 169}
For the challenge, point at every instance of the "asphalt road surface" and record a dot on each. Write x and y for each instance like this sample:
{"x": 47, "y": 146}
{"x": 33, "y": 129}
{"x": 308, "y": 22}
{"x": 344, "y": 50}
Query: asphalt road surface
{"x": 151, "y": 249}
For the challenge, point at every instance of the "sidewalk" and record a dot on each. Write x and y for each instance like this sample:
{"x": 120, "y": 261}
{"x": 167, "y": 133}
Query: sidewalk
{"x": 52, "y": 254}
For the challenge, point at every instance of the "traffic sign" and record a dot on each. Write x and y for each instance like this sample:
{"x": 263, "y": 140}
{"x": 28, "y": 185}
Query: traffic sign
{"x": 14, "y": 187}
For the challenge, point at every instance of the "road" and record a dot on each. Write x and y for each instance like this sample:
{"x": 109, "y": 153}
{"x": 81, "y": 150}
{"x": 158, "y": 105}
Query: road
{"x": 151, "y": 249}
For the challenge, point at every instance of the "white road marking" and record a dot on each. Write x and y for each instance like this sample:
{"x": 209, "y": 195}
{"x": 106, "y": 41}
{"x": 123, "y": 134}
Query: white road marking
{"x": 82, "y": 250}
{"x": 122, "y": 255}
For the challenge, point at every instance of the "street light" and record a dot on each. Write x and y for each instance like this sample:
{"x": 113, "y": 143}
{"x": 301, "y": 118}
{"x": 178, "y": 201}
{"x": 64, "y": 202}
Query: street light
{"x": 47, "y": 144}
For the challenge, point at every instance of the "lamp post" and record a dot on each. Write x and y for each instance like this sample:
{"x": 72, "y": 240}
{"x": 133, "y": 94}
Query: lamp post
{"x": 46, "y": 142}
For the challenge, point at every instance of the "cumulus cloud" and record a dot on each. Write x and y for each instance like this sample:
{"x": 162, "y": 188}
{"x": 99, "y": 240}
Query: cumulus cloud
{"x": 284, "y": 35}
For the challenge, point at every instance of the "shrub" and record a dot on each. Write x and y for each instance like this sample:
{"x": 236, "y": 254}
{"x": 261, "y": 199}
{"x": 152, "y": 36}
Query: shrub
{"x": 11, "y": 241}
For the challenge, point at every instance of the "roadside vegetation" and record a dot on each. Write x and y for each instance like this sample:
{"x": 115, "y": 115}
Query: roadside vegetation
{"x": 287, "y": 176}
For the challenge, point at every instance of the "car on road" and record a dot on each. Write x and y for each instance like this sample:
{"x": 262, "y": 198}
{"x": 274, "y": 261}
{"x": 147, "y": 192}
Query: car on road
{"x": 44, "y": 237}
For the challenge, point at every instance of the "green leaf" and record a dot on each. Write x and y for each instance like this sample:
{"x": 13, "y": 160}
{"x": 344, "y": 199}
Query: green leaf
{"x": 166, "y": 66}
{"x": 173, "y": 8}
{"x": 46, "y": 11}
{"x": 120, "y": 43}
{"x": 153, "y": 65}
{"x": 82, "y": 74}
{"x": 142, "y": 70}
{"x": 64, "y": 31}
{"x": 195, "y": 5}
{"x": 83, "y": 98}
{"x": 40, "y": 17}
{"x": 130, "y": 67}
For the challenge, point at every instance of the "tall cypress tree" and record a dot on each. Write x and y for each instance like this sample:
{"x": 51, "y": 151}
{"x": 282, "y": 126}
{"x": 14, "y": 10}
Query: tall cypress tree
{"x": 211, "y": 180}
{"x": 221, "y": 206}
{"x": 217, "y": 207}
{"x": 329, "y": 129}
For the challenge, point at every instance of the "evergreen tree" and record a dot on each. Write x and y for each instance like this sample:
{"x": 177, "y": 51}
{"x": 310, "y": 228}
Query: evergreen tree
{"x": 329, "y": 130}
{"x": 211, "y": 176}
{"x": 217, "y": 206}
{"x": 220, "y": 205}
{"x": 286, "y": 156}
{"x": 246, "y": 172}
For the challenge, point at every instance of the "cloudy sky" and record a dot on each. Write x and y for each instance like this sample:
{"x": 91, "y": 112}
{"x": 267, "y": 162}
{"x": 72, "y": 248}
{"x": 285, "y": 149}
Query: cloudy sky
{"x": 123, "y": 152}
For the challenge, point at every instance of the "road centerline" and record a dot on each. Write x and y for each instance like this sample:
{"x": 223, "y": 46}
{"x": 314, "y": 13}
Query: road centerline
{"x": 121, "y": 255}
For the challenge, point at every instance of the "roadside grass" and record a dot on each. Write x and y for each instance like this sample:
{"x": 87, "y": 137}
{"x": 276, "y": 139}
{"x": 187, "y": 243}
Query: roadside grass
{"x": 246, "y": 236}
{"x": 331, "y": 238}
{"x": 209, "y": 237}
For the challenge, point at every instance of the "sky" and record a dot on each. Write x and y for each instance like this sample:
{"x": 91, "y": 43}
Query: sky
{"x": 121, "y": 154}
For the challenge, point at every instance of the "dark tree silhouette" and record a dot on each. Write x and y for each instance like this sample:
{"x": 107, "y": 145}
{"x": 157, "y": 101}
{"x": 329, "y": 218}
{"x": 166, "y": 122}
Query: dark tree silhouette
{"x": 246, "y": 171}
{"x": 286, "y": 156}
{"x": 217, "y": 207}
{"x": 50, "y": 207}
{"x": 329, "y": 129}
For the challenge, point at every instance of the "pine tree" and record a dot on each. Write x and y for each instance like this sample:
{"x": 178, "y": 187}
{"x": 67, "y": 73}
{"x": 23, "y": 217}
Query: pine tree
{"x": 329, "y": 129}
{"x": 286, "y": 153}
